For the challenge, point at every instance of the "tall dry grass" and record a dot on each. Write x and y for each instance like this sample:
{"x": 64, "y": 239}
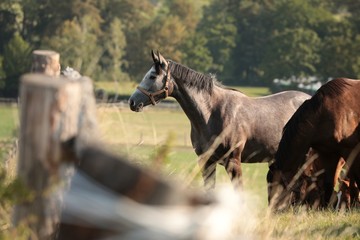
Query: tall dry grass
{"x": 251, "y": 219}
{"x": 159, "y": 140}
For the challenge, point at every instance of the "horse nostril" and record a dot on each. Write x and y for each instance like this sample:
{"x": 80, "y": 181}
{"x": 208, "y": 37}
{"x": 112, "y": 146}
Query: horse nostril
{"x": 132, "y": 103}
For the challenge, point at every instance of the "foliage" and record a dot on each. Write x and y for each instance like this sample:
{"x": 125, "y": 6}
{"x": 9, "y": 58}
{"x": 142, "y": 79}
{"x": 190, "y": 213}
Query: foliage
{"x": 11, "y": 18}
{"x": 220, "y": 31}
{"x": 340, "y": 46}
{"x": 281, "y": 62}
{"x": 195, "y": 53}
{"x": 244, "y": 42}
{"x": 254, "y": 28}
{"x": 16, "y": 61}
{"x": 77, "y": 42}
{"x": 115, "y": 43}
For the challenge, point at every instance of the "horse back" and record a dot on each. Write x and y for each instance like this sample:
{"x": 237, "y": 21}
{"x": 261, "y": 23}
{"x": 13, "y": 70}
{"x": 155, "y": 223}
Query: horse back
{"x": 341, "y": 108}
{"x": 258, "y": 122}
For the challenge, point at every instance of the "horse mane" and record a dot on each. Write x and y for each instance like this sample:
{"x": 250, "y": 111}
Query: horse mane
{"x": 333, "y": 88}
{"x": 296, "y": 133}
{"x": 193, "y": 79}
{"x": 301, "y": 127}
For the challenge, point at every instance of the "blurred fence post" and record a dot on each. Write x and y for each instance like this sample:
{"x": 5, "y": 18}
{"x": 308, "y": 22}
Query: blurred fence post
{"x": 49, "y": 116}
{"x": 46, "y": 62}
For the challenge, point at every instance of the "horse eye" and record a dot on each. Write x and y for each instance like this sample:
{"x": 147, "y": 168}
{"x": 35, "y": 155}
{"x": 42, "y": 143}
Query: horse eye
{"x": 152, "y": 77}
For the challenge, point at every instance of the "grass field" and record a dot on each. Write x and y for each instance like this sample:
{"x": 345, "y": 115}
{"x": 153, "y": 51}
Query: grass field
{"x": 140, "y": 136}
{"x": 9, "y": 121}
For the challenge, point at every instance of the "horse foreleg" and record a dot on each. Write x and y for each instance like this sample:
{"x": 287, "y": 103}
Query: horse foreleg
{"x": 233, "y": 168}
{"x": 209, "y": 175}
{"x": 330, "y": 171}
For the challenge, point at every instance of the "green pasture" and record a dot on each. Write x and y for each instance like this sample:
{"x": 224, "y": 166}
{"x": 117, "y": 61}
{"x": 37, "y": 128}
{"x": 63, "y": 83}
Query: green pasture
{"x": 140, "y": 136}
{"x": 9, "y": 121}
{"x": 122, "y": 88}
{"x": 159, "y": 139}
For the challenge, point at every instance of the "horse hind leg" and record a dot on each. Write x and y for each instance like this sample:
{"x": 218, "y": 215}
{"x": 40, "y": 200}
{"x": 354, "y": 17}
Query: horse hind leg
{"x": 209, "y": 175}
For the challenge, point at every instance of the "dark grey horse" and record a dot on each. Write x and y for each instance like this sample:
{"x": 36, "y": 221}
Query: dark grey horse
{"x": 227, "y": 127}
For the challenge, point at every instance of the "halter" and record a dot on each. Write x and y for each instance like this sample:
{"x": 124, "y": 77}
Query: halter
{"x": 165, "y": 90}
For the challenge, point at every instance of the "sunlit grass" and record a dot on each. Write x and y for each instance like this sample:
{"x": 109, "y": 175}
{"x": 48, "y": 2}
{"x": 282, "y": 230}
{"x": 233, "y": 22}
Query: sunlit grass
{"x": 123, "y": 88}
{"x": 317, "y": 225}
{"x": 9, "y": 121}
{"x": 150, "y": 127}
{"x": 140, "y": 136}
{"x": 182, "y": 161}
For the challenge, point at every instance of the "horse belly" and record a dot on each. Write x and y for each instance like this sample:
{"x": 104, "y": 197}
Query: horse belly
{"x": 255, "y": 152}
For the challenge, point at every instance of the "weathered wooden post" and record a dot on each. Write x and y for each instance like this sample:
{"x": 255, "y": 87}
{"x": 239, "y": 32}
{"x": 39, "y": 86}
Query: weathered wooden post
{"x": 46, "y": 62}
{"x": 50, "y": 110}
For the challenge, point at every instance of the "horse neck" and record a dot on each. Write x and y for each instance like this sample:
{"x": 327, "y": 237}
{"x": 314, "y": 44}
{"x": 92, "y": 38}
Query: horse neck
{"x": 195, "y": 102}
{"x": 196, "y": 105}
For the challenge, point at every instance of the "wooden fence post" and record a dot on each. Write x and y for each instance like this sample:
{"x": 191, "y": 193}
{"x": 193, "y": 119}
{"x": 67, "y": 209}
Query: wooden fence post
{"x": 50, "y": 110}
{"x": 46, "y": 62}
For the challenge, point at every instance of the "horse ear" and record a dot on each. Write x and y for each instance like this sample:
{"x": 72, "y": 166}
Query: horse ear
{"x": 162, "y": 60}
{"x": 154, "y": 57}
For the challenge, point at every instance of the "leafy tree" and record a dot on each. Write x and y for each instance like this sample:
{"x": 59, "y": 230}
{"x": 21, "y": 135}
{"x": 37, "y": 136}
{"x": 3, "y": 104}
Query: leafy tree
{"x": 43, "y": 18}
{"x": 340, "y": 56}
{"x": 136, "y": 17}
{"x": 77, "y": 44}
{"x": 115, "y": 43}
{"x": 279, "y": 39}
{"x": 254, "y": 26}
{"x": 340, "y": 43}
{"x": 134, "y": 14}
{"x": 77, "y": 39}
{"x": 196, "y": 55}
{"x": 11, "y": 17}
{"x": 292, "y": 52}
{"x": 169, "y": 32}
{"x": 242, "y": 41}
{"x": 16, "y": 62}
{"x": 186, "y": 10}
{"x": 219, "y": 27}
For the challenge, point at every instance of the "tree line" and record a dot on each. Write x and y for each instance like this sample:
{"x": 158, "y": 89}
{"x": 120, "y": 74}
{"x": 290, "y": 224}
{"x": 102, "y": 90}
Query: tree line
{"x": 242, "y": 42}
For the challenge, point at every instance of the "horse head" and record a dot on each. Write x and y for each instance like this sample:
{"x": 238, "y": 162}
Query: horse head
{"x": 155, "y": 86}
{"x": 303, "y": 186}
{"x": 279, "y": 197}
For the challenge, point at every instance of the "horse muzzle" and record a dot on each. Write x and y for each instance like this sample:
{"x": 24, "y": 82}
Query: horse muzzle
{"x": 136, "y": 107}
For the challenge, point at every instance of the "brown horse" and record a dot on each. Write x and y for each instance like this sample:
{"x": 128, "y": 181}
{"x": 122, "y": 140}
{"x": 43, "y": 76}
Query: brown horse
{"x": 227, "y": 127}
{"x": 329, "y": 123}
